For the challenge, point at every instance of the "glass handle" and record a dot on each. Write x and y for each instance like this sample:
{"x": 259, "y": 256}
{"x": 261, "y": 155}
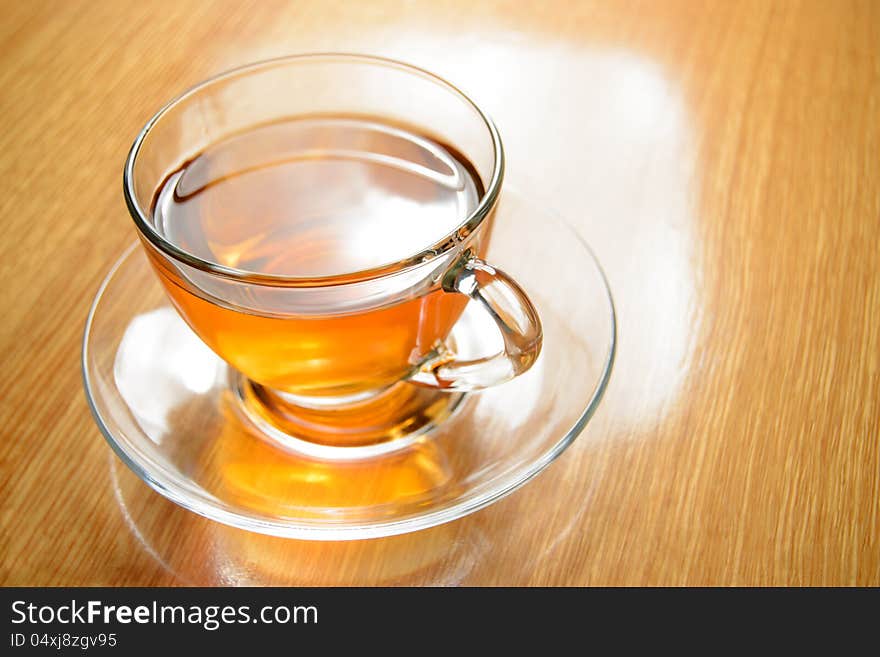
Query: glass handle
{"x": 515, "y": 316}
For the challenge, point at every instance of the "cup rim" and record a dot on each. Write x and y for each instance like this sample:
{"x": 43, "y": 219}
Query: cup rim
{"x": 435, "y": 250}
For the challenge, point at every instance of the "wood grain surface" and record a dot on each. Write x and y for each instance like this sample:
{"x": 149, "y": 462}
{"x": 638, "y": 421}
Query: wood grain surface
{"x": 721, "y": 158}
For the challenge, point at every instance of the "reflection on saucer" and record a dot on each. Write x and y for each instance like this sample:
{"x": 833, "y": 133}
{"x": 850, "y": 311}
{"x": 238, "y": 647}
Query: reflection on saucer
{"x": 252, "y": 473}
{"x": 197, "y": 551}
{"x": 158, "y": 345}
{"x": 241, "y": 467}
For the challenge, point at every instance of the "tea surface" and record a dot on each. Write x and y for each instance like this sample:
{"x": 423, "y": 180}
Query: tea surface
{"x": 317, "y": 197}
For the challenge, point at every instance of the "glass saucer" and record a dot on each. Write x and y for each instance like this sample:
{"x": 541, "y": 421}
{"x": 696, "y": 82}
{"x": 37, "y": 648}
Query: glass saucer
{"x": 166, "y": 403}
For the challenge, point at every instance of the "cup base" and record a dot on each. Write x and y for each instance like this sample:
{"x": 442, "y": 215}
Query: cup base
{"x": 346, "y": 428}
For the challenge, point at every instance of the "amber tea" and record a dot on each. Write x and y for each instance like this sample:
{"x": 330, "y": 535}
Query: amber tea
{"x": 317, "y": 197}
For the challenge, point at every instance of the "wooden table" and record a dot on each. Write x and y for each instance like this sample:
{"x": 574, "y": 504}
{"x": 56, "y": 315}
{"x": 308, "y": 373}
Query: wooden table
{"x": 723, "y": 159}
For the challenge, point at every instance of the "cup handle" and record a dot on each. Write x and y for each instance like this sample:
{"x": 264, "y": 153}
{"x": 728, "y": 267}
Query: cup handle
{"x": 516, "y": 317}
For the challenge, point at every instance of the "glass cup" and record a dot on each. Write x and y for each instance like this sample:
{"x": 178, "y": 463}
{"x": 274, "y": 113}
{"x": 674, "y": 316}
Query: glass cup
{"x": 352, "y": 364}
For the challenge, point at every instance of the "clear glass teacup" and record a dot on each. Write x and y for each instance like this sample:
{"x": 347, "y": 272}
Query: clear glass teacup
{"x": 319, "y": 222}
